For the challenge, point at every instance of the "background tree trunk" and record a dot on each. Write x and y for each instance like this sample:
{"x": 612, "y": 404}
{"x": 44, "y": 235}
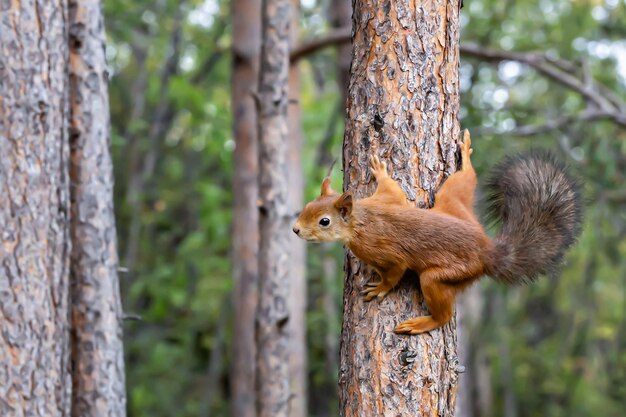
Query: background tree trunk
{"x": 474, "y": 389}
{"x": 246, "y": 15}
{"x": 297, "y": 256}
{"x": 340, "y": 14}
{"x": 97, "y": 350}
{"x": 403, "y": 105}
{"x": 273, "y": 311}
{"x": 34, "y": 211}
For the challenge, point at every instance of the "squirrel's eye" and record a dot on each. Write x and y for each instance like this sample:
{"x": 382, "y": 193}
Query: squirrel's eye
{"x": 324, "y": 222}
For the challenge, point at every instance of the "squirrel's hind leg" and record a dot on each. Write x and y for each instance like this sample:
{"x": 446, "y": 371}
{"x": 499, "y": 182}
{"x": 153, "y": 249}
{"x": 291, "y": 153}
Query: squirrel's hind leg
{"x": 466, "y": 151}
{"x": 456, "y": 195}
{"x": 439, "y": 298}
{"x": 388, "y": 191}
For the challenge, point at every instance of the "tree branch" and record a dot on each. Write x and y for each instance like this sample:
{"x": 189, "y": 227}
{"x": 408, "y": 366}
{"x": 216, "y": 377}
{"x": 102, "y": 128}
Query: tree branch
{"x": 561, "y": 71}
{"x": 541, "y": 64}
{"x": 552, "y": 124}
{"x": 332, "y": 38}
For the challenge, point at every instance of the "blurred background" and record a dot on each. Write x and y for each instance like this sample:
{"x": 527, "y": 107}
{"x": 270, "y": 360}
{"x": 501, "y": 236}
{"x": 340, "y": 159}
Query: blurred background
{"x": 556, "y": 348}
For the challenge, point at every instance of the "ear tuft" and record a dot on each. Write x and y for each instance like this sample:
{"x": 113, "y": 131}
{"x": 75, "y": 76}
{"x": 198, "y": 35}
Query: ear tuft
{"x": 327, "y": 189}
{"x": 344, "y": 204}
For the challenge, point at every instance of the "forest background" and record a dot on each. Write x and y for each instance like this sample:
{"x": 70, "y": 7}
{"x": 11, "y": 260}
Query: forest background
{"x": 542, "y": 73}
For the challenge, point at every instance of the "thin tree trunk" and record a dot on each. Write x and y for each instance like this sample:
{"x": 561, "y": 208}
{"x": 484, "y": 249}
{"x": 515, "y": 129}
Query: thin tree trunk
{"x": 474, "y": 390}
{"x": 97, "y": 351}
{"x": 340, "y": 13}
{"x": 214, "y": 370}
{"x": 273, "y": 311}
{"x": 464, "y": 401}
{"x": 403, "y": 105}
{"x": 34, "y": 211}
{"x": 331, "y": 338}
{"x": 142, "y": 166}
{"x": 297, "y": 256}
{"x": 246, "y": 17}
{"x": 506, "y": 366}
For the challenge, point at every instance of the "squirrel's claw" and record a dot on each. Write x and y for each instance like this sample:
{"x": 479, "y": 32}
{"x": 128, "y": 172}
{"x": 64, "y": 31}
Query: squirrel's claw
{"x": 403, "y": 328}
{"x": 417, "y": 325}
{"x": 375, "y": 290}
{"x": 377, "y": 167}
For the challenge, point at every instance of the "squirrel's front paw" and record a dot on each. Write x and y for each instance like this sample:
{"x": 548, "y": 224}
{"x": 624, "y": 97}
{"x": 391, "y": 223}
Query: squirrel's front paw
{"x": 378, "y": 167}
{"x": 375, "y": 290}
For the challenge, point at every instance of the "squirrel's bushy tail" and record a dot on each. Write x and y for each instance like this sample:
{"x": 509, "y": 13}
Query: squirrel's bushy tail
{"x": 538, "y": 204}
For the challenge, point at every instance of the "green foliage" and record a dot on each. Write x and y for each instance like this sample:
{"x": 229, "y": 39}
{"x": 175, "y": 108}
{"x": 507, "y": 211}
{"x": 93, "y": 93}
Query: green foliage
{"x": 564, "y": 340}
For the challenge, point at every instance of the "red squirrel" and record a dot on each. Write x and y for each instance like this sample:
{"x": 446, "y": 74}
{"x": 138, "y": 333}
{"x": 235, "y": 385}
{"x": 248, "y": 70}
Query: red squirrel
{"x": 533, "y": 196}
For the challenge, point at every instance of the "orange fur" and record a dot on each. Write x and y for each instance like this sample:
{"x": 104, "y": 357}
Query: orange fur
{"x": 446, "y": 245}
{"x": 534, "y": 197}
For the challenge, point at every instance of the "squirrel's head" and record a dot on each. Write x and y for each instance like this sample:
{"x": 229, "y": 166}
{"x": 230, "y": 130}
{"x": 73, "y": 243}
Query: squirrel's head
{"x": 327, "y": 218}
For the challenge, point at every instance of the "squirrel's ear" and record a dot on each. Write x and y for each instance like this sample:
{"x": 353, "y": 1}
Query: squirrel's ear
{"x": 344, "y": 204}
{"x": 327, "y": 189}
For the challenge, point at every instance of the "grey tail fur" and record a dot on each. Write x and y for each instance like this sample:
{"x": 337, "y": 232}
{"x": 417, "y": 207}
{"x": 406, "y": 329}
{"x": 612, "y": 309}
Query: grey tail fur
{"x": 538, "y": 204}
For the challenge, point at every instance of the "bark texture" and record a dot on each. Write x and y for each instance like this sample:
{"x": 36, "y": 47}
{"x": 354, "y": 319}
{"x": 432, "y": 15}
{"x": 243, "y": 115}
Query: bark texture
{"x": 246, "y": 20}
{"x": 297, "y": 247}
{"x": 34, "y": 210}
{"x": 273, "y": 311}
{"x": 97, "y": 350}
{"x": 403, "y": 105}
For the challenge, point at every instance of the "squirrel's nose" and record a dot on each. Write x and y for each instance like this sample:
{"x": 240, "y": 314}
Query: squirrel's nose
{"x": 296, "y": 230}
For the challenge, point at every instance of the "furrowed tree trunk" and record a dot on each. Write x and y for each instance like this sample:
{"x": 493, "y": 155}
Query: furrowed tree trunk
{"x": 297, "y": 256}
{"x": 273, "y": 311}
{"x": 97, "y": 349}
{"x": 246, "y": 18}
{"x": 403, "y": 105}
{"x": 34, "y": 211}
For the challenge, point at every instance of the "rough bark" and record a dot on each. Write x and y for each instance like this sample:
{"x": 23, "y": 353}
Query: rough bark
{"x": 403, "y": 105}
{"x": 97, "y": 349}
{"x": 273, "y": 310}
{"x": 246, "y": 20}
{"x": 34, "y": 210}
{"x": 297, "y": 249}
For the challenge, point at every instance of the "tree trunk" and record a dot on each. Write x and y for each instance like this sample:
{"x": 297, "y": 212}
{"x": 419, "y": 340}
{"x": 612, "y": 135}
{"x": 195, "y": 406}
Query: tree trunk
{"x": 474, "y": 389}
{"x": 246, "y": 18}
{"x": 331, "y": 338}
{"x": 34, "y": 211}
{"x": 340, "y": 14}
{"x": 143, "y": 164}
{"x": 273, "y": 310}
{"x": 403, "y": 105}
{"x": 97, "y": 350}
{"x": 297, "y": 249}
